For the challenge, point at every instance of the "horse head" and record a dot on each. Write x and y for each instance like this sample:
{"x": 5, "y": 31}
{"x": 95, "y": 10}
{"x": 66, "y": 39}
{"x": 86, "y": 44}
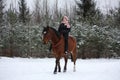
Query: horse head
{"x": 50, "y": 34}
{"x": 46, "y": 35}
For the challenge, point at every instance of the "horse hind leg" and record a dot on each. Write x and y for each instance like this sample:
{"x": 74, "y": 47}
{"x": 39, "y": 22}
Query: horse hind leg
{"x": 71, "y": 56}
{"x": 74, "y": 62}
{"x": 73, "y": 59}
{"x": 65, "y": 66}
{"x": 74, "y": 68}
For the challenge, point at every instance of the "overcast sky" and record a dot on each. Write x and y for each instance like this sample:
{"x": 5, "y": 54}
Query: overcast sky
{"x": 104, "y": 5}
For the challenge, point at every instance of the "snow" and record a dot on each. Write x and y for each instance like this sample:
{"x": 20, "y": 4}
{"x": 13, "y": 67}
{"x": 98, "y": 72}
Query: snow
{"x": 42, "y": 69}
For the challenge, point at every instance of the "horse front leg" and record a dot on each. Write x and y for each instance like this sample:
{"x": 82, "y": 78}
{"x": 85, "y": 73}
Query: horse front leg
{"x": 56, "y": 64}
{"x": 65, "y": 66}
{"x": 59, "y": 67}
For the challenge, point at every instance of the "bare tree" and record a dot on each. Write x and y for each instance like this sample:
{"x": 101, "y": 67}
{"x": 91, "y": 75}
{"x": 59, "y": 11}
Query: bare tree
{"x": 57, "y": 13}
{"x": 37, "y": 11}
{"x": 55, "y": 9}
{"x": 23, "y": 12}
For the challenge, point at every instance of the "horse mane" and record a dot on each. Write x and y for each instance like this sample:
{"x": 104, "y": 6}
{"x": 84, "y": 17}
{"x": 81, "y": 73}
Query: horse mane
{"x": 56, "y": 32}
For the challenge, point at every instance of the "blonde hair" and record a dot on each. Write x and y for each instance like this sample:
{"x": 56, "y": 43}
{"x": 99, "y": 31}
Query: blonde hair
{"x": 65, "y": 21}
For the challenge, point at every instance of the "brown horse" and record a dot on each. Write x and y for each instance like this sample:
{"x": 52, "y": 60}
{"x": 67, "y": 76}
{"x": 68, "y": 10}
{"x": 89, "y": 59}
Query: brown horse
{"x": 57, "y": 41}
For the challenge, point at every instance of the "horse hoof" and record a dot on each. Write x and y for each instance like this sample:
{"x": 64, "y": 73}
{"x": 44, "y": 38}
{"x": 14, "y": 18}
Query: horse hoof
{"x": 64, "y": 71}
{"x": 55, "y": 72}
{"x": 74, "y": 70}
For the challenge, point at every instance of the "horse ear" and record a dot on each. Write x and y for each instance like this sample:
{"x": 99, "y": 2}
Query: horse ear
{"x": 47, "y": 26}
{"x": 44, "y": 27}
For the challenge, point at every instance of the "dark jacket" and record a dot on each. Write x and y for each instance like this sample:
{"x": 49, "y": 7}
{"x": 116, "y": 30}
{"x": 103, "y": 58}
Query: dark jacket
{"x": 65, "y": 32}
{"x": 63, "y": 29}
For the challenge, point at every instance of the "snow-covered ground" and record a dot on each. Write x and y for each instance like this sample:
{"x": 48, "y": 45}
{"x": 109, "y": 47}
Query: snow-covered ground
{"x": 42, "y": 69}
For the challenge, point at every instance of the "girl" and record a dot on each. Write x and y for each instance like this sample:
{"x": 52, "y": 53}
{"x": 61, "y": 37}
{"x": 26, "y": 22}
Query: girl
{"x": 64, "y": 29}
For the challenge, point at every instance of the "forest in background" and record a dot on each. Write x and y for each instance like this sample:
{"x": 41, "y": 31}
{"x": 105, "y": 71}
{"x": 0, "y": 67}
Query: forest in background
{"x": 97, "y": 34}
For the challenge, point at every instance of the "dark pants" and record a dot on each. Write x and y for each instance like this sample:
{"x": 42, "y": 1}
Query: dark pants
{"x": 66, "y": 42}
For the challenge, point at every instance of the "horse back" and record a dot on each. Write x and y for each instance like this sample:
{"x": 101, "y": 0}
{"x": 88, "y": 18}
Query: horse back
{"x": 71, "y": 39}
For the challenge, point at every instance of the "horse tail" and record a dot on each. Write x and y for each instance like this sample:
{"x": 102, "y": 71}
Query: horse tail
{"x": 74, "y": 53}
{"x": 74, "y": 49}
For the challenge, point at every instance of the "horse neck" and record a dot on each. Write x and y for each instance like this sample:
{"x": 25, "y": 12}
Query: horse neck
{"x": 55, "y": 39}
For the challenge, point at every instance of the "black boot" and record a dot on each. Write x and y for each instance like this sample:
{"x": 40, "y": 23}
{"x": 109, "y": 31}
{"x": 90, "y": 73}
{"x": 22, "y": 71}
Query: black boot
{"x": 66, "y": 45}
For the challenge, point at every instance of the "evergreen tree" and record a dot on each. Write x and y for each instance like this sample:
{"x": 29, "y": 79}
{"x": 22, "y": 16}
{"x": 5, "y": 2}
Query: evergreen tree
{"x": 87, "y": 12}
{"x": 12, "y": 22}
{"x": 109, "y": 18}
{"x": 1, "y": 24}
{"x": 12, "y": 16}
{"x": 112, "y": 18}
{"x": 23, "y": 12}
{"x": 117, "y": 16}
{"x": 1, "y": 12}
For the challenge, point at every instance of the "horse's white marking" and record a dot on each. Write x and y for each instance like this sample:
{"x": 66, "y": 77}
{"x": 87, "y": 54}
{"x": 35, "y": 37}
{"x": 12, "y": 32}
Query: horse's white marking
{"x": 74, "y": 69}
{"x": 44, "y": 32}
